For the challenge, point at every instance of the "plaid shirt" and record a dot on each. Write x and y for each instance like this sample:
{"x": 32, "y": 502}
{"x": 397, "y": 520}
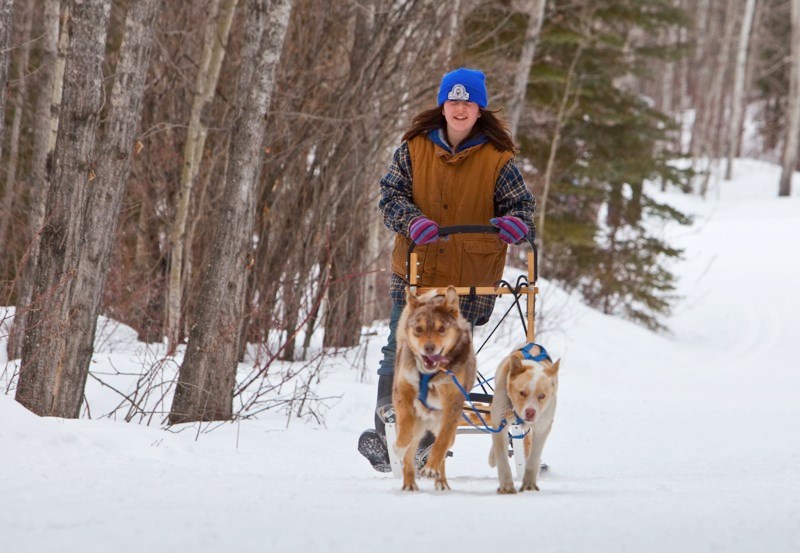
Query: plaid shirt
{"x": 511, "y": 197}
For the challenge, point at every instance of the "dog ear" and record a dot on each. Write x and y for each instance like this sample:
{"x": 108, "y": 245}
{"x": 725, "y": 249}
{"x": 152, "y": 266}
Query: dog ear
{"x": 451, "y": 300}
{"x": 515, "y": 367}
{"x": 553, "y": 369}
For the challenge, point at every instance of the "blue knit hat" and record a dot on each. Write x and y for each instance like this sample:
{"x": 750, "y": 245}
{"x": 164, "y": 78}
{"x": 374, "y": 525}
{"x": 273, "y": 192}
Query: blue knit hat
{"x": 464, "y": 84}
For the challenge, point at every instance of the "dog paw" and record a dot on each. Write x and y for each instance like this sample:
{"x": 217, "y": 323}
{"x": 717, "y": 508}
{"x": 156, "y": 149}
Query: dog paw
{"x": 528, "y": 487}
{"x": 429, "y": 472}
{"x": 410, "y": 487}
{"x": 507, "y": 489}
{"x": 441, "y": 485}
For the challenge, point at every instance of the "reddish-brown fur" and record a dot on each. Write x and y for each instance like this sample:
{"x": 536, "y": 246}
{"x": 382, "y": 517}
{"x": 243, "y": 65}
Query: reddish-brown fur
{"x": 431, "y": 336}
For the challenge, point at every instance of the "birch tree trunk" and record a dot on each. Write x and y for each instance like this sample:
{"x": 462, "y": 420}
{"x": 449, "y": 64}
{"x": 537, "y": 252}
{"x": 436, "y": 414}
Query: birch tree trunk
{"x": 670, "y": 81}
{"x": 50, "y": 381}
{"x": 702, "y": 32}
{"x": 13, "y": 146}
{"x": 517, "y": 103}
{"x": 700, "y": 70}
{"x": 58, "y": 81}
{"x": 709, "y": 144}
{"x": 207, "y": 376}
{"x": 113, "y": 155}
{"x": 738, "y": 101}
{"x": 789, "y": 161}
{"x": 46, "y": 118}
{"x": 6, "y": 17}
{"x": 453, "y": 26}
{"x": 668, "y": 77}
{"x": 683, "y": 92}
{"x": 365, "y": 29}
{"x": 216, "y": 41}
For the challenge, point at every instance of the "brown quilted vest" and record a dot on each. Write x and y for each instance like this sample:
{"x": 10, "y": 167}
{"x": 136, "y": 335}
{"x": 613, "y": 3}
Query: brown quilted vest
{"x": 455, "y": 190}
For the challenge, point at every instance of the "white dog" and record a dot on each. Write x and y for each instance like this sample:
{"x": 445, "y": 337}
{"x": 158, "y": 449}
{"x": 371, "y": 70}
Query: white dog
{"x": 526, "y": 383}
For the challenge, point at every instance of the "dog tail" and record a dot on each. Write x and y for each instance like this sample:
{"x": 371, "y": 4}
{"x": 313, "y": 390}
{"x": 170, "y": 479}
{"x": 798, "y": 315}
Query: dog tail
{"x": 492, "y": 461}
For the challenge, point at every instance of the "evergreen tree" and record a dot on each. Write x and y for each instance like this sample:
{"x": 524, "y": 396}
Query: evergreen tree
{"x": 594, "y": 144}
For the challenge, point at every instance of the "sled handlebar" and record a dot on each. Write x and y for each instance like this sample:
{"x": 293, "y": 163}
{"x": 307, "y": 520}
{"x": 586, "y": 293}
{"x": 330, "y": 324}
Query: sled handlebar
{"x": 476, "y": 229}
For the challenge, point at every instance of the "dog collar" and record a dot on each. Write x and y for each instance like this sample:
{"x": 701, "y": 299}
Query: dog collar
{"x": 541, "y": 356}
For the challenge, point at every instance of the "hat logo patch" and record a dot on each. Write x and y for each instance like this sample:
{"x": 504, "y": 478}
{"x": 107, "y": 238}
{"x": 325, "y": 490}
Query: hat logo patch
{"x": 458, "y": 92}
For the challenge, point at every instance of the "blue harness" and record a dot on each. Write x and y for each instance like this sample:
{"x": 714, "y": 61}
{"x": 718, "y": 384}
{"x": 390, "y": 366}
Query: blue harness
{"x": 541, "y": 356}
{"x": 424, "y": 380}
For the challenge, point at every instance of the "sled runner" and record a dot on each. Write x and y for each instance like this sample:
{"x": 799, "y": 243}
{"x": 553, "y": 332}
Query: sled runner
{"x": 475, "y": 414}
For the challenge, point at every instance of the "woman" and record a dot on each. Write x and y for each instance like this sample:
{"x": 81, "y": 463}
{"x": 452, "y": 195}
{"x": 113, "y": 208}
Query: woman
{"x": 454, "y": 167}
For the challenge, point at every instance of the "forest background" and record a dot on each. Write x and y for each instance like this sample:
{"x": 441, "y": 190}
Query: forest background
{"x": 207, "y": 172}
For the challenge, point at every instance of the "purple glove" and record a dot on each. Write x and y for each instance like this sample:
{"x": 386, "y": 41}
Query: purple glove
{"x": 512, "y": 229}
{"x": 423, "y": 231}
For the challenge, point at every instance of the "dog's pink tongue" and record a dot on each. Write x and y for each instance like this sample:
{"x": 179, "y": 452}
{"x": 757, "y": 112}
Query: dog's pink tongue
{"x": 437, "y": 358}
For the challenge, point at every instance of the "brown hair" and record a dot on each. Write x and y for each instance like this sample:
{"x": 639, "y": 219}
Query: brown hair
{"x": 495, "y": 128}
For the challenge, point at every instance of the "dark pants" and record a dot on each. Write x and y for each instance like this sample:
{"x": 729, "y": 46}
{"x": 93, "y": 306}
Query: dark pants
{"x": 386, "y": 367}
{"x": 389, "y": 351}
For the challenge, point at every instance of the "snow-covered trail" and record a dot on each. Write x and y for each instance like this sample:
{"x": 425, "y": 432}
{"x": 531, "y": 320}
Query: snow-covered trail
{"x": 684, "y": 442}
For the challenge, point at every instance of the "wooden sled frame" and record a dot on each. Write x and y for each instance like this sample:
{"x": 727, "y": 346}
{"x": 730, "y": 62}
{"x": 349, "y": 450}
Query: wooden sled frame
{"x": 482, "y": 402}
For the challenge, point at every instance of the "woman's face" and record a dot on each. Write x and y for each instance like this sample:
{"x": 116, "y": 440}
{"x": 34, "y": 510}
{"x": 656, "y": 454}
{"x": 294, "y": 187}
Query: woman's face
{"x": 460, "y": 115}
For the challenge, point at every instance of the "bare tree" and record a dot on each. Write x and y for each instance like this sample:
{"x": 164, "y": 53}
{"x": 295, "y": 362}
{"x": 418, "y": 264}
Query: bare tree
{"x": 6, "y": 14}
{"x": 207, "y": 375}
{"x": 739, "y": 85}
{"x": 705, "y": 137}
{"x": 327, "y": 154}
{"x": 58, "y": 82}
{"x": 215, "y": 44}
{"x": 48, "y": 103}
{"x": 535, "y": 12}
{"x": 682, "y": 86}
{"x": 51, "y": 383}
{"x": 113, "y": 155}
{"x": 355, "y": 164}
{"x": 789, "y": 161}
{"x": 703, "y": 36}
{"x": 16, "y": 124}
{"x": 453, "y": 27}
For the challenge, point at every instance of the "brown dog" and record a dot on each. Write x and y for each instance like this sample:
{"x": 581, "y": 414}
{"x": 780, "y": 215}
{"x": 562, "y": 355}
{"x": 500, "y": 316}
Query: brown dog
{"x": 525, "y": 394}
{"x": 432, "y": 337}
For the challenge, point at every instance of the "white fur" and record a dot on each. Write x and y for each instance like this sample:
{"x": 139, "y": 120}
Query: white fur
{"x": 502, "y": 407}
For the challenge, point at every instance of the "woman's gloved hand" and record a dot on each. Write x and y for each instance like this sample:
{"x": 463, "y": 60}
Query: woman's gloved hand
{"x": 423, "y": 231}
{"x": 512, "y": 229}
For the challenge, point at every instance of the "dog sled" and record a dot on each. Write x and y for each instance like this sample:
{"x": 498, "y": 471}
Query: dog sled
{"x": 476, "y": 418}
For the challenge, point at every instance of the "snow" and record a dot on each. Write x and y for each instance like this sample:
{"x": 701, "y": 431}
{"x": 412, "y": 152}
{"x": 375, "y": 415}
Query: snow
{"x": 679, "y": 442}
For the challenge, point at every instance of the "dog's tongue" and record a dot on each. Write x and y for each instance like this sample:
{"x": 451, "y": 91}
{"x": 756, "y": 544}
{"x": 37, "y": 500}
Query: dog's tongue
{"x": 436, "y": 358}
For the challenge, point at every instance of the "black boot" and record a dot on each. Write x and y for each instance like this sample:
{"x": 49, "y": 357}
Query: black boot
{"x": 372, "y": 443}
{"x": 424, "y": 450}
